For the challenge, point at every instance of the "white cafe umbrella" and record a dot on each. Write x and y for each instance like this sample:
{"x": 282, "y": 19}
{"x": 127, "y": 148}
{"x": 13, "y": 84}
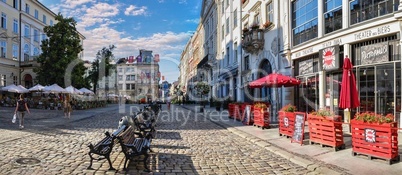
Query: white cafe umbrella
{"x": 54, "y": 89}
{"x": 73, "y": 90}
{"x": 14, "y": 88}
{"x": 86, "y": 91}
{"x": 36, "y": 88}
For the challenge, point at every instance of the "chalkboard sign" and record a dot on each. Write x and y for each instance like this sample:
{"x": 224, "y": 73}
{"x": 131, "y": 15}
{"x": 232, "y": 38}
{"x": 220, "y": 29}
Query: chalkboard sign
{"x": 247, "y": 115}
{"x": 298, "y": 133}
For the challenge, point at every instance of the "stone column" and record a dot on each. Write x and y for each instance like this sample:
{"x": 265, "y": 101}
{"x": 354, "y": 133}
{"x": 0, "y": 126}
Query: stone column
{"x": 345, "y": 14}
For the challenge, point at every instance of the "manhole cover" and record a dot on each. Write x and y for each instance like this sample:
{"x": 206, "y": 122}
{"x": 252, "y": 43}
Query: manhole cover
{"x": 27, "y": 161}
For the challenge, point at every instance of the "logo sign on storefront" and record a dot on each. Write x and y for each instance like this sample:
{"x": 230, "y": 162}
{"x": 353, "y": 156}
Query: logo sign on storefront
{"x": 286, "y": 122}
{"x": 329, "y": 58}
{"x": 374, "y": 53}
{"x": 369, "y": 135}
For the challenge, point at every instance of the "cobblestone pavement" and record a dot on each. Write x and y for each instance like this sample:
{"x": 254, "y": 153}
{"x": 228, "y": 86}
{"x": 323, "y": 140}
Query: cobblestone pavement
{"x": 185, "y": 144}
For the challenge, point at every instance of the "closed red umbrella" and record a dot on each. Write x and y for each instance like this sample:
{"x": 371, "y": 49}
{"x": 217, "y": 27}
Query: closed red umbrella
{"x": 348, "y": 96}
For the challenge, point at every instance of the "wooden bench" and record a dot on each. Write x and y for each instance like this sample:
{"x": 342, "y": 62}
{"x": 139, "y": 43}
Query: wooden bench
{"x": 134, "y": 146}
{"x": 104, "y": 147}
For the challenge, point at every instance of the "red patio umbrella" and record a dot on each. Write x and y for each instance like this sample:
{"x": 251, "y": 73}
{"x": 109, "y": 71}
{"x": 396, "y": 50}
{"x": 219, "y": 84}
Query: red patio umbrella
{"x": 274, "y": 80}
{"x": 348, "y": 96}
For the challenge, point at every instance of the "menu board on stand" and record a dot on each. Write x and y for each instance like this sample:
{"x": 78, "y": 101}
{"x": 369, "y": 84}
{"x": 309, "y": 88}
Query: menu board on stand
{"x": 298, "y": 133}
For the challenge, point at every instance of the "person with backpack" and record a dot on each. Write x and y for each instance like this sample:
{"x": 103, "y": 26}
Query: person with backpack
{"x": 21, "y": 108}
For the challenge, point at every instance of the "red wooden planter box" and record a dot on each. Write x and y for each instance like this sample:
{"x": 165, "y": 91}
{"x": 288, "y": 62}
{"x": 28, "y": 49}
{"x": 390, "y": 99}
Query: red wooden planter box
{"x": 236, "y": 112}
{"x": 261, "y": 117}
{"x": 286, "y": 123}
{"x": 374, "y": 139}
{"x": 326, "y": 131}
{"x": 231, "y": 110}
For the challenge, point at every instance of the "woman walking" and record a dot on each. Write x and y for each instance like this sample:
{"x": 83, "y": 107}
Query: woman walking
{"x": 21, "y": 108}
{"x": 67, "y": 107}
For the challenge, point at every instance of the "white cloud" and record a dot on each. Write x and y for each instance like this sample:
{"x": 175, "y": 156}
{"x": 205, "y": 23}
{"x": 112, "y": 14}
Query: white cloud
{"x": 133, "y": 10}
{"x": 74, "y": 3}
{"x": 195, "y": 21}
{"x": 103, "y": 10}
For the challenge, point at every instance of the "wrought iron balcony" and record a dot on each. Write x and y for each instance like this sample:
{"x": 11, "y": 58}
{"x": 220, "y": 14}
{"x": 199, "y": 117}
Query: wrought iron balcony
{"x": 253, "y": 40}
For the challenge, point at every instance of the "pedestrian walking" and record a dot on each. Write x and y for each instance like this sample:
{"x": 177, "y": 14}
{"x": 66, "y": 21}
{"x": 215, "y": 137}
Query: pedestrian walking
{"x": 21, "y": 108}
{"x": 168, "y": 103}
{"x": 67, "y": 107}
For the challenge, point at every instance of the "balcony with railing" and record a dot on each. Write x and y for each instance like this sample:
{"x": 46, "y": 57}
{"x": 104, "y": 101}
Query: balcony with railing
{"x": 253, "y": 39}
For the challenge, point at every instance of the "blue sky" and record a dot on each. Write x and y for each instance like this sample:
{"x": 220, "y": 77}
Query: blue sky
{"x": 163, "y": 26}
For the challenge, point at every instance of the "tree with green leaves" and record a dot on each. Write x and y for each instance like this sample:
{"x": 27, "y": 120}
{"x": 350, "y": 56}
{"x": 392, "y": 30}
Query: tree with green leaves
{"x": 59, "y": 59}
{"x": 101, "y": 66}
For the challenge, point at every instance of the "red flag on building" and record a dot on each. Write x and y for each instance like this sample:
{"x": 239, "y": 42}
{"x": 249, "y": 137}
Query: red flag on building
{"x": 131, "y": 59}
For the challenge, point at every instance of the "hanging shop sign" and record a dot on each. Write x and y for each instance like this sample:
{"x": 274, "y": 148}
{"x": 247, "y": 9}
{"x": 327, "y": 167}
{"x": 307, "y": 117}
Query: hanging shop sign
{"x": 374, "y": 53}
{"x": 329, "y": 58}
{"x": 306, "y": 67}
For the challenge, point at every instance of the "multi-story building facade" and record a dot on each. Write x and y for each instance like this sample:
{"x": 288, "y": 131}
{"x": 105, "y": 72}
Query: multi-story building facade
{"x": 21, "y": 33}
{"x": 368, "y": 32}
{"x": 139, "y": 79}
{"x": 309, "y": 40}
{"x": 108, "y": 85}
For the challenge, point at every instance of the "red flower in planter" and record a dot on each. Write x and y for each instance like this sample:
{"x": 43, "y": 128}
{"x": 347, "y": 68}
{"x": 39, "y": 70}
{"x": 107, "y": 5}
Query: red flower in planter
{"x": 371, "y": 117}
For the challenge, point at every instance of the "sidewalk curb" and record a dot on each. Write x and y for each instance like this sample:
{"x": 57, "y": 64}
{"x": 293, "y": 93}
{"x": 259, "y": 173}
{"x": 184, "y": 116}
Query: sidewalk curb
{"x": 310, "y": 165}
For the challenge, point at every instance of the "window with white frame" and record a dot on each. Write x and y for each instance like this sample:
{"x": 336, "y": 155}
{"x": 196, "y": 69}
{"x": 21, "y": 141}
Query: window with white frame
{"x": 235, "y": 18}
{"x": 223, "y": 32}
{"x": 3, "y": 49}
{"x": 27, "y": 32}
{"x": 120, "y": 86}
{"x": 227, "y": 57}
{"x": 36, "y": 35}
{"x": 27, "y": 8}
{"x": 44, "y": 19}
{"x": 15, "y": 51}
{"x": 120, "y": 77}
{"x": 270, "y": 12}
{"x": 36, "y": 51}
{"x": 36, "y": 14}
{"x": 44, "y": 36}
{"x": 15, "y": 3}
{"x": 257, "y": 18}
{"x": 246, "y": 63}
{"x": 15, "y": 25}
{"x": 51, "y": 22}
{"x": 26, "y": 49}
{"x": 15, "y": 80}
{"x": 235, "y": 52}
{"x": 3, "y": 20}
{"x": 227, "y": 26}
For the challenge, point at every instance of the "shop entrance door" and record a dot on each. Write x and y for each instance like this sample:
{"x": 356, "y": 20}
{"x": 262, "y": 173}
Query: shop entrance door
{"x": 308, "y": 93}
{"x": 379, "y": 87}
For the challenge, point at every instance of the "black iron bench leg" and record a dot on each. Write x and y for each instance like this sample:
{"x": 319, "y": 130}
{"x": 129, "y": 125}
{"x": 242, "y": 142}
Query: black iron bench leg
{"x": 90, "y": 162}
{"x": 145, "y": 163}
{"x": 110, "y": 162}
{"x": 125, "y": 163}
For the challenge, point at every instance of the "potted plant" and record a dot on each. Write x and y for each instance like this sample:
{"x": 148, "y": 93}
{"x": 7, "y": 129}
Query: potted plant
{"x": 261, "y": 115}
{"x": 255, "y": 26}
{"x": 287, "y": 120}
{"x": 202, "y": 89}
{"x": 325, "y": 128}
{"x": 375, "y": 135}
{"x": 267, "y": 24}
